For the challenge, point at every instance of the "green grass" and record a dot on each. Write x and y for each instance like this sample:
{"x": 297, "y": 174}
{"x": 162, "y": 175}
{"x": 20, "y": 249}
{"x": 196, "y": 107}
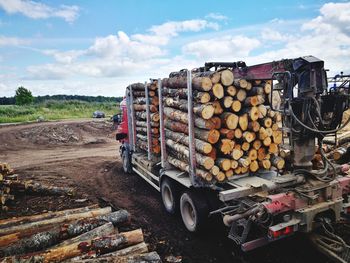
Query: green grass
{"x": 55, "y": 110}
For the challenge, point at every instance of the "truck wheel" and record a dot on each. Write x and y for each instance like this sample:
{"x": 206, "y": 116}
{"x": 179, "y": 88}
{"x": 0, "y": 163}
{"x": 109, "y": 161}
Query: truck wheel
{"x": 170, "y": 198}
{"x": 126, "y": 162}
{"x": 194, "y": 211}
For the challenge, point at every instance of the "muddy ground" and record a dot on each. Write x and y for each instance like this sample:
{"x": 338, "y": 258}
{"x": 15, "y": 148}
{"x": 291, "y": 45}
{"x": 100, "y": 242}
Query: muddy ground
{"x": 84, "y": 155}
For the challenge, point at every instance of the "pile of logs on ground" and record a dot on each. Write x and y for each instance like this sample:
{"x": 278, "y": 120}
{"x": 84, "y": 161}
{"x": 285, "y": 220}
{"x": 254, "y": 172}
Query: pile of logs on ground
{"x": 88, "y": 234}
{"x": 335, "y": 148}
{"x": 10, "y": 185}
{"x": 140, "y": 107}
{"x": 235, "y": 129}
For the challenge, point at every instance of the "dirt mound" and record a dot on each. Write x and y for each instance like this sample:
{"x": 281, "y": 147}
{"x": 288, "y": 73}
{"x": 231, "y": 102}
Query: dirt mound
{"x": 45, "y": 135}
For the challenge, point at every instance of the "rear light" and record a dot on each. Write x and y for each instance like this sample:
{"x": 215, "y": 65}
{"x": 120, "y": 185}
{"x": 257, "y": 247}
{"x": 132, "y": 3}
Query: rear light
{"x": 281, "y": 232}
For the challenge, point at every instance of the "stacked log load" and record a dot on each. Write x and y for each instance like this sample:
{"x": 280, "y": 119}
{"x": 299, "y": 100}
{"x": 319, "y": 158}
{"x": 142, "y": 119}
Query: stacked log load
{"x": 140, "y": 107}
{"x": 236, "y": 131}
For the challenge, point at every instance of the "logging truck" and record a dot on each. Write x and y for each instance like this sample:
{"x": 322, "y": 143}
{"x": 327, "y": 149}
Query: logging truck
{"x": 240, "y": 142}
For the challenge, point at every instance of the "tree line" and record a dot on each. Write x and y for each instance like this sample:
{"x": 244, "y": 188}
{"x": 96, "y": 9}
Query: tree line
{"x": 24, "y": 96}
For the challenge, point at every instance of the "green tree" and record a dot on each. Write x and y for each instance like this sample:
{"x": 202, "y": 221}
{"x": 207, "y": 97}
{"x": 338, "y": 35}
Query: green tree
{"x": 23, "y": 96}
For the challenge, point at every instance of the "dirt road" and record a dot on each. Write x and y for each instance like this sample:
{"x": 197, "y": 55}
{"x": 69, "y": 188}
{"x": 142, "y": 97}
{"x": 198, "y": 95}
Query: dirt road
{"x": 84, "y": 154}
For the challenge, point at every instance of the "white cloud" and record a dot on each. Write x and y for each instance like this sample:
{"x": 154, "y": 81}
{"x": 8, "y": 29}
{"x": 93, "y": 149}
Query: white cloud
{"x": 217, "y": 16}
{"x": 37, "y": 10}
{"x": 161, "y": 34}
{"x": 12, "y": 41}
{"x": 227, "y": 48}
{"x": 334, "y": 17}
{"x": 270, "y": 34}
{"x": 65, "y": 57}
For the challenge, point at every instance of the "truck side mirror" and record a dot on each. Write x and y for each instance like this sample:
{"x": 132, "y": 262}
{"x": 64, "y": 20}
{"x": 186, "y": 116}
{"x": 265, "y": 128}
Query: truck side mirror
{"x": 120, "y": 136}
{"x": 117, "y": 118}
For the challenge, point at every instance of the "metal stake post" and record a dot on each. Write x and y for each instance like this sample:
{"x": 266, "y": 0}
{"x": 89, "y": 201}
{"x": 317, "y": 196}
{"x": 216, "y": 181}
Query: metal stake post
{"x": 191, "y": 147}
{"x": 148, "y": 119}
{"x": 130, "y": 129}
{"x": 161, "y": 120}
{"x": 133, "y": 119}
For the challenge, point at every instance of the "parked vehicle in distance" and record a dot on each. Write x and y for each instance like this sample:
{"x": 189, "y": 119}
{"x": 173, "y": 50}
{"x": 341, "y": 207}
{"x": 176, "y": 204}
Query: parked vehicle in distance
{"x": 98, "y": 114}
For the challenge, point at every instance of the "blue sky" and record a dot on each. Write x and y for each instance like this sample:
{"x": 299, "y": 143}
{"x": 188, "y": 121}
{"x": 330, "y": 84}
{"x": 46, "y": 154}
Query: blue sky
{"x": 98, "y": 47}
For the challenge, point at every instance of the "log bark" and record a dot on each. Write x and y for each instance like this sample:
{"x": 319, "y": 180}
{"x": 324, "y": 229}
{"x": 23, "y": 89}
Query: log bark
{"x": 142, "y": 100}
{"x": 215, "y": 170}
{"x": 143, "y": 130}
{"x": 154, "y": 141}
{"x": 55, "y": 221}
{"x": 100, "y": 245}
{"x": 214, "y": 76}
{"x": 223, "y": 163}
{"x": 244, "y": 161}
{"x": 183, "y": 166}
{"x": 104, "y": 230}
{"x": 211, "y": 136}
{"x": 144, "y": 124}
{"x": 202, "y": 160}
{"x": 178, "y": 115}
{"x": 143, "y": 107}
{"x": 205, "y": 111}
{"x": 6, "y": 223}
{"x": 265, "y": 164}
{"x": 144, "y": 146}
{"x": 256, "y": 90}
{"x": 151, "y": 257}
{"x": 39, "y": 188}
{"x": 143, "y": 116}
{"x": 277, "y": 162}
{"x": 200, "y": 146}
{"x": 138, "y": 86}
{"x": 198, "y": 96}
{"x": 242, "y": 83}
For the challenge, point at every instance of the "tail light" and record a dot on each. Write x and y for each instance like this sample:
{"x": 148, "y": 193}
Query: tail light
{"x": 274, "y": 233}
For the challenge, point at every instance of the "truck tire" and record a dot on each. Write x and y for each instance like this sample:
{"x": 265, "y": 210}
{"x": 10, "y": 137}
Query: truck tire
{"x": 194, "y": 211}
{"x": 170, "y": 196}
{"x": 126, "y": 162}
